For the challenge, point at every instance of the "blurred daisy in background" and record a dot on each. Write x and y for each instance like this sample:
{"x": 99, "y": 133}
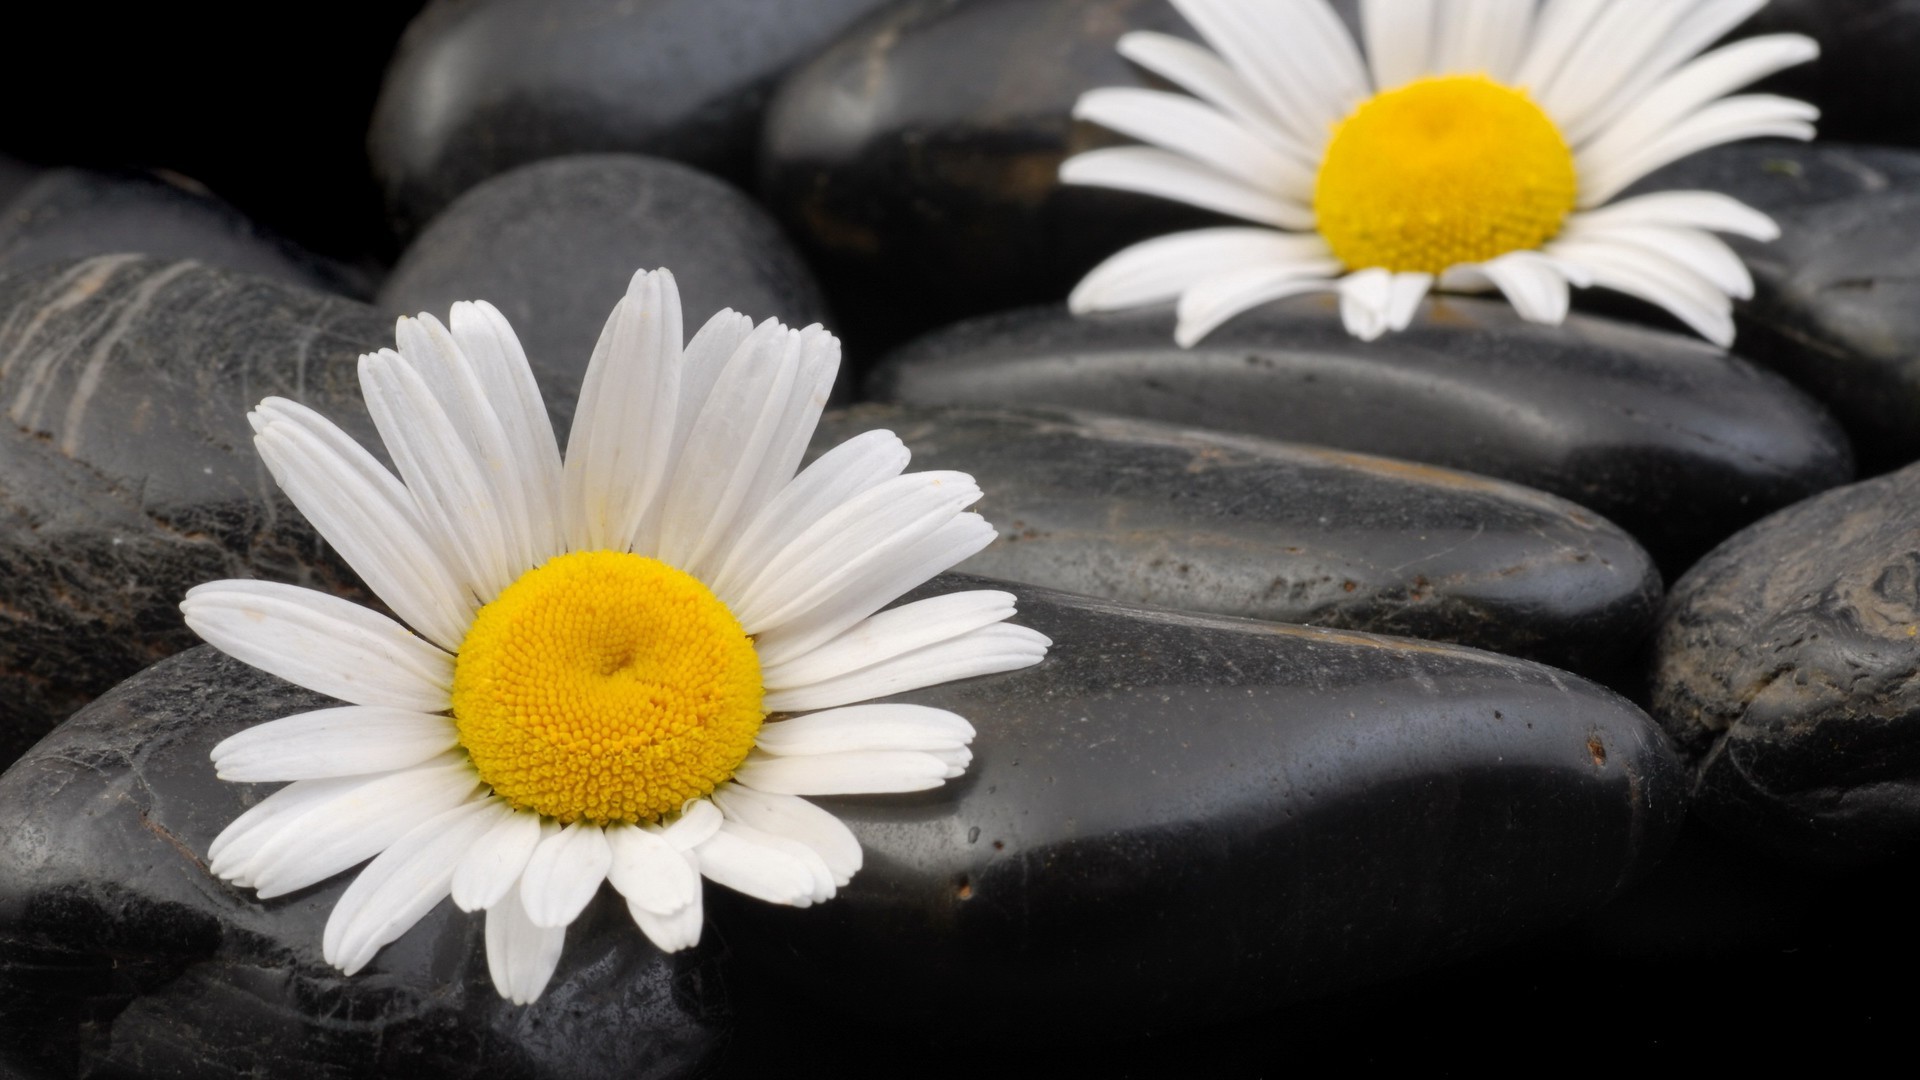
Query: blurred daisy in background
{"x": 1471, "y": 145}
{"x": 592, "y": 646}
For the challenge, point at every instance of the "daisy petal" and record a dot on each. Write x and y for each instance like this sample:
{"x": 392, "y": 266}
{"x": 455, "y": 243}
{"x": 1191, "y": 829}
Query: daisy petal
{"x": 651, "y": 873}
{"x": 1558, "y": 30}
{"x": 1209, "y": 304}
{"x": 1404, "y": 303}
{"x": 1366, "y": 302}
{"x": 1701, "y": 23}
{"x": 1728, "y": 120}
{"x": 747, "y": 441}
{"x": 531, "y": 452}
{"x": 1191, "y": 129}
{"x": 266, "y": 819}
{"x": 863, "y": 772}
{"x": 1200, "y": 71}
{"x": 454, "y": 491}
{"x": 492, "y": 867}
{"x": 1482, "y": 37}
{"x": 1655, "y": 279}
{"x": 321, "y": 642}
{"x": 888, "y": 726}
{"x": 366, "y": 514}
{"x": 702, "y": 362}
{"x": 1162, "y": 268}
{"x": 1707, "y": 210}
{"x": 400, "y": 886}
{"x": 698, "y": 820}
{"x": 798, "y": 820}
{"x": 680, "y": 930}
{"x": 350, "y": 741}
{"x": 820, "y": 882}
{"x": 564, "y": 873}
{"x": 348, "y": 829}
{"x": 1700, "y": 252}
{"x": 617, "y": 451}
{"x": 521, "y": 956}
{"x": 1698, "y": 84}
{"x": 764, "y": 873}
{"x": 1532, "y": 283}
{"x": 1149, "y": 170}
{"x": 1608, "y": 53}
{"x": 855, "y": 466}
{"x": 1399, "y": 37}
{"x": 1296, "y": 53}
{"x": 986, "y": 651}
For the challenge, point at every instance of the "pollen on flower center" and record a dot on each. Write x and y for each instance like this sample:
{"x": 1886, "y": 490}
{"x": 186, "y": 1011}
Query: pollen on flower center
{"x": 606, "y": 686}
{"x": 1446, "y": 170}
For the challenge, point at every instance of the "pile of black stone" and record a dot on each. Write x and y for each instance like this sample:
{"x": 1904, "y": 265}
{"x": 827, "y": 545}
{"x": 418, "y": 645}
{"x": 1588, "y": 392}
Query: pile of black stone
{"x": 1484, "y": 689}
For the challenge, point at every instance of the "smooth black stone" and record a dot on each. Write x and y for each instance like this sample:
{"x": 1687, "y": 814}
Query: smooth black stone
{"x": 1785, "y": 666}
{"x": 1864, "y": 81}
{"x": 121, "y": 956}
{"x": 553, "y": 245}
{"x": 916, "y": 160}
{"x": 480, "y": 86}
{"x": 1674, "y": 440}
{"x": 73, "y": 213}
{"x": 1180, "y": 818}
{"x": 1837, "y": 297}
{"x": 1173, "y": 517}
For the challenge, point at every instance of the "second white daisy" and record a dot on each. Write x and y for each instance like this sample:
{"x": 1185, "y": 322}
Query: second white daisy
{"x": 597, "y": 642}
{"x": 1477, "y": 144}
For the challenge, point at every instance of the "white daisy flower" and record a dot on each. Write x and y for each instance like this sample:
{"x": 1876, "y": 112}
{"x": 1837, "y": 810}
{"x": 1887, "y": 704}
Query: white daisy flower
{"x": 596, "y": 643}
{"x": 1477, "y": 144}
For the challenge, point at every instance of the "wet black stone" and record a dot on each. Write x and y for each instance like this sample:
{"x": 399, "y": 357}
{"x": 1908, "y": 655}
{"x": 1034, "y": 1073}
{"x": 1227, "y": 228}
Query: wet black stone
{"x": 553, "y": 245}
{"x": 1180, "y": 818}
{"x": 130, "y": 474}
{"x": 121, "y": 957}
{"x": 1837, "y": 297}
{"x": 480, "y": 86}
{"x": 1235, "y": 525}
{"x": 1785, "y": 668}
{"x": 1864, "y": 81}
{"x": 73, "y": 213}
{"x": 1672, "y": 439}
{"x": 916, "y": 160}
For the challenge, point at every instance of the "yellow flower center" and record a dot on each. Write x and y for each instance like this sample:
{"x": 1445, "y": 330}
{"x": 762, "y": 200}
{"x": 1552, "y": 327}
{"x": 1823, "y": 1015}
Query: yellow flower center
{"x": 606, "y": 686}
{"x": 1445, "y": 170}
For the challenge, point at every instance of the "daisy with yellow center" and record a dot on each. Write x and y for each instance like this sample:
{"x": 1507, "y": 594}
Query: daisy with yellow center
{"x": 627, "y": 665}
{"x": 1477, "y": 144}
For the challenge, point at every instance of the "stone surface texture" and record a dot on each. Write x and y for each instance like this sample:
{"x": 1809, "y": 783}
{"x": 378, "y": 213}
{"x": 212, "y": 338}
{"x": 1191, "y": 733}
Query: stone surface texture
{"x": 1202, "y": 521}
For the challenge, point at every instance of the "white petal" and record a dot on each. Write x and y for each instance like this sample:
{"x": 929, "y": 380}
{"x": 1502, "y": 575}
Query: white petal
{"x": 833, "y": 550}
{"x": 1533, "y": 283}
{"x": 1482, "y": 37}
{"x": 347, "y": 829}
{"x": 651, "y": 873}
{"x": 747, "y": 442}
{"x": 1164, "y": 267}
{"x": 1407, "y": 292}
{"x": 1705, "y": 80}
{"x": 400, "y": 886}
{"x": 680, "y": 930}
{"x": 454, "y": 491}
{"x": 765, "y": 873}
{"x": 1658, "y": 281}
{"x": 366, "y": 514}
{"x": 821, "y": 883}
{"x": 1192, "y": 129}
{"x": 492, "y": 867}
{"x": 1399, "y": 37}
{"x": 564, "y": 873}
{"x": 1210, "y": 303}
{"x": 1708, "y": 210}
{"x": 1149, "y": 170}
{"x": 989, "y": 650}
{"x": 863, "y": 772}
{"x": 266, "y": 819}
{"x": 1557, "y": 32}
{"x": 618, "y": 449}
{"x": 350, "y": 741}
{"x": 698, "y": 820}
{"x": 797, "y": 820}
{"x": 1202, "y": 73}
{"x": 891, "y": 726}
{"x": 521, "y": 956}
{"x": 531, "y": 453}
{"x": 1701, "y": 23}
{"x": 855, "y": 466}
{"x": 321, "y": 642}
{"x": 1296, "y": 53}
{"x": 1727, "y": 120}
{"x": 1366, "y": 302}
{"x": 1608, "y": 53}
{"x": 887, "y": 635}
{"x": 1700, "y": 252}
{"x": 701, "y": 363}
